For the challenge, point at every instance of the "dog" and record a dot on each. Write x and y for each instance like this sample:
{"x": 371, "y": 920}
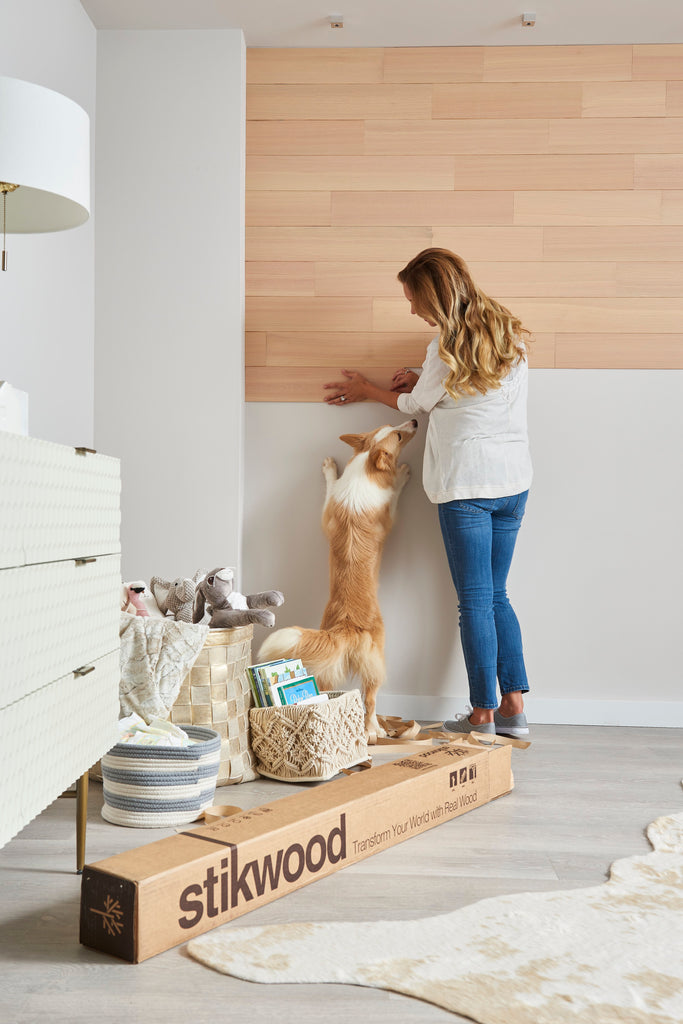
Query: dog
{"x": 358, "y": 513}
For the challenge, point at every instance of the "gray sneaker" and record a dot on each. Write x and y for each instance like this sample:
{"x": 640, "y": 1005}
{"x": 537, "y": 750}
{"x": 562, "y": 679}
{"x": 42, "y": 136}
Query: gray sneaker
{"x": 463, "y": 724}
{"x": 515, "y": 726}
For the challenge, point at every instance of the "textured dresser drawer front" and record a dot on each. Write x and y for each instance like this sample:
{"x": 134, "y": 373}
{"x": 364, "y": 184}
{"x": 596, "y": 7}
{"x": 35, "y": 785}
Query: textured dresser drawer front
{"x": 55, "y": 503}
{"x": 55, "y": 618}
{"x": 52, "y": 736}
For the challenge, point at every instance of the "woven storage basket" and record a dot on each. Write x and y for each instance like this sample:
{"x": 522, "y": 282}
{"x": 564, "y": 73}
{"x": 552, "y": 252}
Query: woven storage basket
{"x": 310, "y": 742}
{"x": 156, "y": 787}
{"x": 216, "y": 693}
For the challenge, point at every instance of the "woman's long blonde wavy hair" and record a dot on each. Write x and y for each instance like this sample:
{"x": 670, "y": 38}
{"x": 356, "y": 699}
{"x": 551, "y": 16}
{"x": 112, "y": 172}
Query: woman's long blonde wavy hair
{"x": 479, "y": 340}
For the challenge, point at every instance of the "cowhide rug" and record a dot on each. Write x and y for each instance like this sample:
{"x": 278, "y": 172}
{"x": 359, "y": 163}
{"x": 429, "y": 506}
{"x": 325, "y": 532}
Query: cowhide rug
{"x": 610, "y": 953}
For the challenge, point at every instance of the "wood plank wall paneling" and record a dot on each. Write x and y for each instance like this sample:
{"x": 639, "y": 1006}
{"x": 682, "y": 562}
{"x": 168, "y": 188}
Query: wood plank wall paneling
{"x": 557, "y": 172}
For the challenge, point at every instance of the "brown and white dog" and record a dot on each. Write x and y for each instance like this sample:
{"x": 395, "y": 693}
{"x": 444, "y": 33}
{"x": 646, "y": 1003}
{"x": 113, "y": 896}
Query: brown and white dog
{"x": 358, "y": 514}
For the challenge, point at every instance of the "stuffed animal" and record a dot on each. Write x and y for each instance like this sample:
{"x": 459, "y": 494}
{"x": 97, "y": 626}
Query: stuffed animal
{"x": 175, "y": 597}
{"x": 137, "y": 600}
{"x": 227, "y": 608}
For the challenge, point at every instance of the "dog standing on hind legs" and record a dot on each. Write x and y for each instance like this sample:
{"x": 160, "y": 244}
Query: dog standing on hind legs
{"x": 359, "y": 511}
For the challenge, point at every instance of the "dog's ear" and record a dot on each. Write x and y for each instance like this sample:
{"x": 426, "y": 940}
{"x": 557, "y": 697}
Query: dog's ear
{"x": 382, "y": 459}
{"x": 355, "y": 440}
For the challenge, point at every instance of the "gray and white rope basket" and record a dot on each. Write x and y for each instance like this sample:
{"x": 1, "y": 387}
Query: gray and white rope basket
{"x": 156, "y": 787}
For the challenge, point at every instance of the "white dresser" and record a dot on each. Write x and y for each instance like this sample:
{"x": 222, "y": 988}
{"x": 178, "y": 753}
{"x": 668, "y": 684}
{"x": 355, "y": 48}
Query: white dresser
{"x": 60, "y": 587}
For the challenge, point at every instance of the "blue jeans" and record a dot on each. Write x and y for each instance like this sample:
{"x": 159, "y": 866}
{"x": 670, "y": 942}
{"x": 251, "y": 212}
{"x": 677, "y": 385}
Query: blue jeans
{"x": 480, "y": 535}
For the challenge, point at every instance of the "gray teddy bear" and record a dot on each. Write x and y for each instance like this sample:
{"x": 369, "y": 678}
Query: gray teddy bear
{"x": 227, "y": 608}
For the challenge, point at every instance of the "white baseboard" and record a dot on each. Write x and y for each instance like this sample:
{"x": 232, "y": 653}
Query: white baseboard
{"x": 540, "y": 711}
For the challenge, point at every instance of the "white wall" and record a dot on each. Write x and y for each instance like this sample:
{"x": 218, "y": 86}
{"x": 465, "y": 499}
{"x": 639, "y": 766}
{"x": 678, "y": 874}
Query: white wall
{"x": 596, "y": 575}
{"x": 47, "y": 293}
{"x": 170, "y": 293}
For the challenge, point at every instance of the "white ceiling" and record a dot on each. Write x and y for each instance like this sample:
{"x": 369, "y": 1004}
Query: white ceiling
{"x": 405, "y": 22}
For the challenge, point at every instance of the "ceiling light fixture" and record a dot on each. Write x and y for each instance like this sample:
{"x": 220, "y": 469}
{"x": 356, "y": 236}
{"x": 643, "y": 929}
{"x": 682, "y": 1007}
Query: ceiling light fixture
{"x": 336, "y": 20}
{"x": 529, "y": 19}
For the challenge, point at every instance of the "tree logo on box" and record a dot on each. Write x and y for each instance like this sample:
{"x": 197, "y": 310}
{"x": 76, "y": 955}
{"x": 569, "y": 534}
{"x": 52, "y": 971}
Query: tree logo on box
{"x": 111, "y": 916}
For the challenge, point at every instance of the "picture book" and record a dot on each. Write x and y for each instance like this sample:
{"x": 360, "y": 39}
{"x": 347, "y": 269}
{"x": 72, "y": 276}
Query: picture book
{"x": 282, "y": 672}
{"x": 295, "y": 691}
{"x": 258, "y": 682}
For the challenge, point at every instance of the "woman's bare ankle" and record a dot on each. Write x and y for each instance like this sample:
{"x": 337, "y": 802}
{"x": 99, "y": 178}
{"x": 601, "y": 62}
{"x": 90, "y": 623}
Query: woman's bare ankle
{"x": 511, "y": 704}
{"x": 481, "y": 715}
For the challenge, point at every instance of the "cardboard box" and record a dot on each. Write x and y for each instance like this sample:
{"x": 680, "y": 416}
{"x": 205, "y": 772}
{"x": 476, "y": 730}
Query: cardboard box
{"x": 144, "y": 901}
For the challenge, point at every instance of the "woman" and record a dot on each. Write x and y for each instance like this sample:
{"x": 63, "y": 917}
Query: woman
{"x": 477, "y": 467}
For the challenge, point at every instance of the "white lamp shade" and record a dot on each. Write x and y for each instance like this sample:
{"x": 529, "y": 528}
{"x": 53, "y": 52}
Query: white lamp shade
{"x": 45, "y": 149}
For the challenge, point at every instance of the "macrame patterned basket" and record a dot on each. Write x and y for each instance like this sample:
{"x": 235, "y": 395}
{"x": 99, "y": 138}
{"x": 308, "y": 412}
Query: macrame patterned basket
{"x": 310, "y": 742}
{"x": 215, "y": 693}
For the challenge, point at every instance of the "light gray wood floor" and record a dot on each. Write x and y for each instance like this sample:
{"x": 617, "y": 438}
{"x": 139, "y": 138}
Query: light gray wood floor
{"x": 583, "y": 798}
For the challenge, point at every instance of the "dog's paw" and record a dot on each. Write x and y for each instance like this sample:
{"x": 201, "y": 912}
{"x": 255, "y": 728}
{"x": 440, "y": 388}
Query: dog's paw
{"x": 329, "y": 466}
{"x": 373, "y": 730}
{"x": 403, "y": 473}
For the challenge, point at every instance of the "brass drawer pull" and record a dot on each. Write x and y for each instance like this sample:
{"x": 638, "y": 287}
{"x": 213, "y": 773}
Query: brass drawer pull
{"x": 84, "y": 561}
{"x": 84, "y": 670}
{"x": 85, "y": 451}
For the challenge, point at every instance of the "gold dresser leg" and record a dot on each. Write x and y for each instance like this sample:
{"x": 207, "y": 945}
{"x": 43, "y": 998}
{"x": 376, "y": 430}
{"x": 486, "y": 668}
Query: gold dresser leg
{"x": 81, "y": 820}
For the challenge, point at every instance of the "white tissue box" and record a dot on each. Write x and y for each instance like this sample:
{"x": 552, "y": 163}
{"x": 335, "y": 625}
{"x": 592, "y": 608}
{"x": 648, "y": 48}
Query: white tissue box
{"x": 13, "y": 409}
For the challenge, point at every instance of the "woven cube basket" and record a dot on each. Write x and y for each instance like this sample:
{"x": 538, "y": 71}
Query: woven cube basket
{"x": 310, "y": 742}
{"x": 215, "y": 693}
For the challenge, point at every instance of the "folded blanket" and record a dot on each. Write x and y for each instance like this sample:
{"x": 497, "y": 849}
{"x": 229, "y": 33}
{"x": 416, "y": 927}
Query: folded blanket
{"x": 156, "y": 655}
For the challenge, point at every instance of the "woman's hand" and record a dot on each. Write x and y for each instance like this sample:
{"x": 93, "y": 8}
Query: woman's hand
{"x": 404, "y": 380}
{"x": 353, "y": 389}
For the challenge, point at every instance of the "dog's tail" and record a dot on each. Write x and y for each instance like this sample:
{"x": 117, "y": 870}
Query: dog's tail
{"x": 322, "y": 651}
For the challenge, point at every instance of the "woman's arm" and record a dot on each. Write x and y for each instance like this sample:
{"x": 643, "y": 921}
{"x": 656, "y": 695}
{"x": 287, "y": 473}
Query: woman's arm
{"x": 357, "y": 388}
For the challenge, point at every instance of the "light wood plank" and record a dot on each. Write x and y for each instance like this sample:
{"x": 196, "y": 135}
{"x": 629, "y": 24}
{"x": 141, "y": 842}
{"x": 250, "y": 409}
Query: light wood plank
{"x": 288, "y": 313}
{"x": 620, "y": 351}
{"x": 623, "y": 99}
{"x": 478, "y": 100}
{"x": 394, "y": 314}
{"x": 674, "y": 99}
{"x": 433, "y": 64}
{"x": 348, "y": 173}
{"x": 337, "y": 102}
{"x": 658, "y": 61}
{"x": 422, "y": 208}
{"x": 557, "y": 63}
{"x": 491, "y": 243}
{"x": 588, "y": 207}
{"x": 288, "y": 208}
{"x": 255, "y": 348}
{"x": 658, "y": 171}
{"x": 344, "y": 65}
{"x": 597, "y": 316}
{"x": 353, "y": 243}
{"x": 544, "y": 172}
{"x": 541, "y": 353}
{"x": 298, "y": 138}
{"x": 545, "y": 278}
{"x": 672, "y": 207}
{"x": 343, "y": 348}
{"x": 301, "y": 383}
{"x": 650, "y": 279}
{"x": 616, "y": 135}
{"x": 282, "y": 278}
{"x": 638, "y": 244}
{"x": 355, "y": 278}
{"x": 445, "y": 137}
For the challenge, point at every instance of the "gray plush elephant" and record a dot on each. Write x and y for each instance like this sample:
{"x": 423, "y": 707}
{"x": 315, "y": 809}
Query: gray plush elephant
{"x": 228, "y": 608}
{"x": 174, "y": 596}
